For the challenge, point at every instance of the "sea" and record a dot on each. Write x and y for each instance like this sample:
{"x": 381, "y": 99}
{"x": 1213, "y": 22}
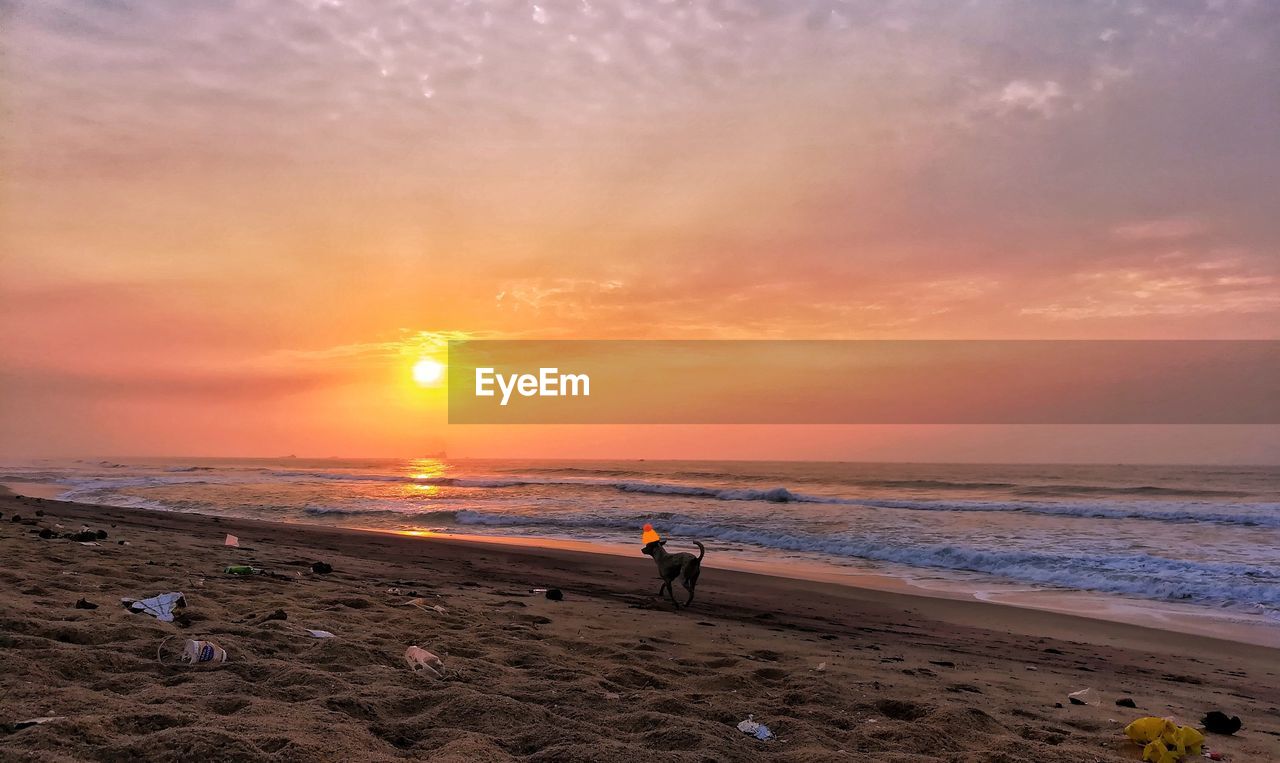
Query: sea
{"x": 1206, "y": 538}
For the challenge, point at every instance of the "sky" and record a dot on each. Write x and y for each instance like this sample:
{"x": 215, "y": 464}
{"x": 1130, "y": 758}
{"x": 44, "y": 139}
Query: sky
{"x": 231, "y": 228}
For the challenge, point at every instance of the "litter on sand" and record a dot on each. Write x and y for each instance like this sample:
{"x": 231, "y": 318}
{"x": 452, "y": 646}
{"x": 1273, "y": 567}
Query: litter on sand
{"x": 19, "y": 725}
{"x": 821, "y": 667}
{"x": 231, "y": 541}
{"x": 195, "y": 651}
{"x": 160, "y": 607}
{"x": 1163, "y": 740}
{"x": 424, "y": 605}
{"x": 757, "y": 730}
{"x": 319, "y": 634}
{"x": 1082, "y": 697}
{"x": 1217, "y": 722}
{"x": 420, "y": 659}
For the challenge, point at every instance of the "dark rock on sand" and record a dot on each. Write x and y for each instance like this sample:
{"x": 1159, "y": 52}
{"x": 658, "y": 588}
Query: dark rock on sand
{"x": 1217, "y": 722}
{"x": 555, "y": 594}
{"x": 1126, "y": 702}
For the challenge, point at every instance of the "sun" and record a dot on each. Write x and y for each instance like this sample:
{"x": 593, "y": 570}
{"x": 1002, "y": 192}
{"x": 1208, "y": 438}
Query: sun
{"x": 427, "y": 372}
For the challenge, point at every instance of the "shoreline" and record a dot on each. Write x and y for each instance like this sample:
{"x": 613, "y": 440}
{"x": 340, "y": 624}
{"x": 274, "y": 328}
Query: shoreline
{"x": 1088, "y": 605}
{"x": 607, "y": 674}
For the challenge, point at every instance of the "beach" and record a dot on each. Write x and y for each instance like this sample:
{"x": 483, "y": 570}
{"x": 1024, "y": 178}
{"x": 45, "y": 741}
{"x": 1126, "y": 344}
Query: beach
{"x": 608, "y": 673}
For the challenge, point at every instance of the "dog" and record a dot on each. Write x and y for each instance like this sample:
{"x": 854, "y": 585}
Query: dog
{"x": 671, "y": 566}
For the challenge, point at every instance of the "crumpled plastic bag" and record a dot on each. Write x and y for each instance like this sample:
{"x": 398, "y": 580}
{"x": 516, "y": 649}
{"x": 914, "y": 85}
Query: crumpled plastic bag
{"x": 757, "y": 730}
{"x": 420, "y": 660}
{"x": 160, "y": 607}
{"x": 1164, "y": 741}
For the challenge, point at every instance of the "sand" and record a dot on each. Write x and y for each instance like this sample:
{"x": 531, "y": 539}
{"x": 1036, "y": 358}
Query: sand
{"x": 608, "y": 674}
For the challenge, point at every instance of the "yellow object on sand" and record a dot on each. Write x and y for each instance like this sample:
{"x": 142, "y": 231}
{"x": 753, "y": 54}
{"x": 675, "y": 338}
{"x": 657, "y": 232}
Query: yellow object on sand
{"x": 650, "y": 535}
{"x": 1164, "y": 740}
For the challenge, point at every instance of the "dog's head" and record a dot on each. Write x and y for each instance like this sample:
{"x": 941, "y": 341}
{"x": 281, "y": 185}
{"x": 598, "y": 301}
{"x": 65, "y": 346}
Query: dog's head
{"x": 653, "y": 547}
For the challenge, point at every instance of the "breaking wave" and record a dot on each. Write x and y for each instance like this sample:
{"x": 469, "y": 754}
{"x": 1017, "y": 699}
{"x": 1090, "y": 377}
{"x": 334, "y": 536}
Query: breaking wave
{"x": 1146, "y": 575}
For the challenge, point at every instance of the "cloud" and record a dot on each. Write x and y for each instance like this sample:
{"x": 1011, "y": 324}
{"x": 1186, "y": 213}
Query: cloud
{"x": 1043, "y": 98}
{"x": 1176, "y": 286}
{"x": 1165, "y": 229}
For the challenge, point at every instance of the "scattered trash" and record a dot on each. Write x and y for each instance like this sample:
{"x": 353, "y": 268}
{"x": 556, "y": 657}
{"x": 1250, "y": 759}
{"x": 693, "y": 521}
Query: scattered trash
{"x": 1126, "y": 702}
{"x": 90, "y": 543}
{"x": 420, "y": 659}
{"x": 231, "y": 541}
{"x": 239, "y": 569}
{"x": 160, "y": 607}
{"x": 757, "y": 730}
{"x": 821, "y": 667}
{"x": 320, "y": 634}
{"x": 395, "y": 591}
{"x": 1163, "y": 740}
{"x": 85, "y": 604}
{"x": 1082, "y": 697}
{"x": 1032, "y": 667}
{"x": 537, "y": 590}
{"x": 424, "y": 605}
{"x": 19, "y": 725}
{"x": 1211, "y": 755}
{"x": 195, "y": 651}
{"x": 320, "y": 568}
{"x": 555, "y": 594}
{"x": 1217, "y": 722}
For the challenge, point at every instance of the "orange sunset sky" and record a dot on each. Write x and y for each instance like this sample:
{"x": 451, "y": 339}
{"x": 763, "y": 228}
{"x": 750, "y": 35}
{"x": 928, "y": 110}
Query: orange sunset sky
{"x": 231, "y": 228}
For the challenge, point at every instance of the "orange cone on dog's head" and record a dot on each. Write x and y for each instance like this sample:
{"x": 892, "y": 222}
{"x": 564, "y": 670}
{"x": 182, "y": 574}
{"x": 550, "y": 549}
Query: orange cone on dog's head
{"x": 650, "y": 535}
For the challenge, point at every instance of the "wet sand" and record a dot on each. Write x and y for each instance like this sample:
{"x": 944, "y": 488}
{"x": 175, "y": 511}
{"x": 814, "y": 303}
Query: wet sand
{"x": 610, "y": 673}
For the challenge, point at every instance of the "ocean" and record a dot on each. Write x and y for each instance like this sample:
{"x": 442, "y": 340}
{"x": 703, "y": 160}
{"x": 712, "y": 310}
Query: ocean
{"x": 1206, "y": 537}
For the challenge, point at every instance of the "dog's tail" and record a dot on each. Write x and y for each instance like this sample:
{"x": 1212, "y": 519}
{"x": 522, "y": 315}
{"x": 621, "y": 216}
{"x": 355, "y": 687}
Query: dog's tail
{"x": 702, "y": 551}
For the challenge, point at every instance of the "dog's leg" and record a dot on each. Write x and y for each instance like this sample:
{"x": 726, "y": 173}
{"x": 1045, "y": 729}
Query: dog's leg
{"x": 690, "y": 580}
{"x": 671, "y": 590}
